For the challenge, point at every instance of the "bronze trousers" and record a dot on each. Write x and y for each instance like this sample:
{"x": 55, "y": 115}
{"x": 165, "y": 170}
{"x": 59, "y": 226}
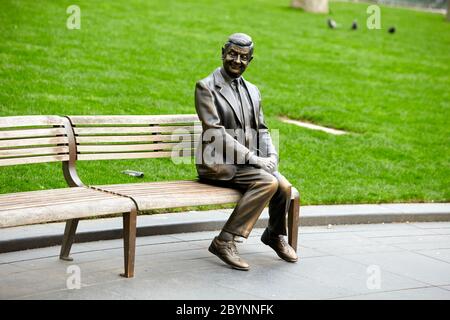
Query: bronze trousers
{"x": 259, "y": 188}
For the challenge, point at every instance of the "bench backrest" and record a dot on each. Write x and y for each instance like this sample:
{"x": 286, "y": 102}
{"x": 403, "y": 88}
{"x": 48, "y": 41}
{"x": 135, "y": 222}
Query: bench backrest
{"x": 133, "y": 137}
{"x": 34, "y": 139}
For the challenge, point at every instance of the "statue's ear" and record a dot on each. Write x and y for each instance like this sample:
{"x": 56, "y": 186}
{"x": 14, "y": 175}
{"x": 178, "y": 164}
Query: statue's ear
{"x": 251, "y": 58}
{"x": 223, "y": 52}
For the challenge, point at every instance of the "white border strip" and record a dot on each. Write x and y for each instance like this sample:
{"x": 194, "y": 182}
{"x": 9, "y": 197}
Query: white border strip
{"x": 313, "y": 126}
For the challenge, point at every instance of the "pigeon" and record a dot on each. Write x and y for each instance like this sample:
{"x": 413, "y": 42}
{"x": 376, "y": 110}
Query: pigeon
{"x": 354, "y": 25}
{"x": 391, "y": 30}
{"x": 332, "y": 24}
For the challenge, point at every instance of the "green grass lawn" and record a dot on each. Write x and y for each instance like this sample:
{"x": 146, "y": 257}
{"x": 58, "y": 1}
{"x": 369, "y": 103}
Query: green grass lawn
{"x": 391, "y": 91}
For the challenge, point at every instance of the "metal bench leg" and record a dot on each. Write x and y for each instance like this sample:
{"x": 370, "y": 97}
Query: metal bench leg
{"x": 293, "y": 218}
{"x": 129, "y": 242}
{"x": 69, "y": 237}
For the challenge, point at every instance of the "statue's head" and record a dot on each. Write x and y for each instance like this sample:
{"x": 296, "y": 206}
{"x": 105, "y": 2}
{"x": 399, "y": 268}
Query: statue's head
{"x": 237, "y": 53}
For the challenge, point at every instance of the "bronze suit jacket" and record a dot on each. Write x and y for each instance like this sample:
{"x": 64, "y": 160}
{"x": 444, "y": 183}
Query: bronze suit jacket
{"x": 218, "y": 110}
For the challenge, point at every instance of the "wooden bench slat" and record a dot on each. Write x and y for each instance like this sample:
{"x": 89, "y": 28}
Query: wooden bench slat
{"x": 49, "y": 198}
{"x": 142, "y": 138}
{"x": 164, "y": 202}
{"x": 177, "y": 194}
{"x": 43, "y": 195}
{"x": 126, "y": 147}
{"x": 158, "y": 184}
{"x": 29, "y": 160}
{"x": 33, "y": 151}
{"x": 39, "y": 193}
{"x": 179, "y": 184}
{"x": 162, "y": 188}
{"x": 33, "y": 142}
{"x": 28, "y": 121}
{"x": 126, "y": 119}
{"x": 155, "y": 186}
{"x": 11, "y": 134}
{"x": 52, "y": 203}
{"x": 134, "y": 155}
{"x": 23, "y": 204}
{"x": 171, "y": 192}
{"x": 130, "y": 130}
{"x": 62, "y": 212}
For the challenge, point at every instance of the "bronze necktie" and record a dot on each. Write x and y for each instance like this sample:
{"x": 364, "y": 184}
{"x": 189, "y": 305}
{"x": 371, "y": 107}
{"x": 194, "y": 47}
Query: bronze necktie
{"x": 245, "y": 112}
{"x": 242, "y": 101}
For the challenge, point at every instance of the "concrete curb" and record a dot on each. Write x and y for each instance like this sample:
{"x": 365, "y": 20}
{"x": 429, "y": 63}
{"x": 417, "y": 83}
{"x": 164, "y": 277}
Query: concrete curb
{"x": 45, "y": 235}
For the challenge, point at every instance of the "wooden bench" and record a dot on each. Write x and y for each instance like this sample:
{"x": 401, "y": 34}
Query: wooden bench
{"x": 37, "y": 139}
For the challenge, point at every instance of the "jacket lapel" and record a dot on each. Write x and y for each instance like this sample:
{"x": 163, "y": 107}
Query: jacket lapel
{"x": 226, "y": 92}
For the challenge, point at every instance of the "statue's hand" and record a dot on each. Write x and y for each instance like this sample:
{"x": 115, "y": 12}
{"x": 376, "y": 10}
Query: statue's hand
{"x": 267, "y": 164}
{"x": 274, "y": 160}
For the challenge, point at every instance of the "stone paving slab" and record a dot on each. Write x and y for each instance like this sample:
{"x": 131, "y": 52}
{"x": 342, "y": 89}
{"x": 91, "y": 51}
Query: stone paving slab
{"x": 439, "y": 254}
{"x": 425, "y": 293}
{"x": 408, "y": 264}
{"x": 337, "y": 266}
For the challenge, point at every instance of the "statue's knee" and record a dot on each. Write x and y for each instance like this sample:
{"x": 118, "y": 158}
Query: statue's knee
{"x": 273, "y": 184}
{"x": 285, "y": 188}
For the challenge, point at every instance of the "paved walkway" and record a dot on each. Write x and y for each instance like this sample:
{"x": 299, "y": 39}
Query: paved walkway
{"x": 50, "y": 234}
{"x": 374, "y": 261}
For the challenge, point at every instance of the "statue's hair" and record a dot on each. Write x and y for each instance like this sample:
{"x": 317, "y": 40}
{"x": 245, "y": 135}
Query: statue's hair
{"x": 241, "y": 40}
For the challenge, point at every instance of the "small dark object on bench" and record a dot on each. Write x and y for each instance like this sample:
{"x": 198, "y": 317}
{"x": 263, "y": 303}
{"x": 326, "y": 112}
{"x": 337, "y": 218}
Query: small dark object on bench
{"x": 133, "y": 173}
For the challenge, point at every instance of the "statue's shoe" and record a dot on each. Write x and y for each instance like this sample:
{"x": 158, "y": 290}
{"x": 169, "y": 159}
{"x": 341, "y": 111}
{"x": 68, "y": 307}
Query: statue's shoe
{"x": 227, "y": 252}
{"x": 279, "y": 244}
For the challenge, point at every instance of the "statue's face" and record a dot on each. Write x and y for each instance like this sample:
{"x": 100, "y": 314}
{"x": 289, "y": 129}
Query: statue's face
{"x": 235, "y": 60}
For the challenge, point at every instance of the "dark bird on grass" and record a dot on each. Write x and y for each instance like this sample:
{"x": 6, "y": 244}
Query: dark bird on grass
{"x": 354, "y": 25}
{"x": 332, "y": 24}
{"x": 391, "y": 30}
